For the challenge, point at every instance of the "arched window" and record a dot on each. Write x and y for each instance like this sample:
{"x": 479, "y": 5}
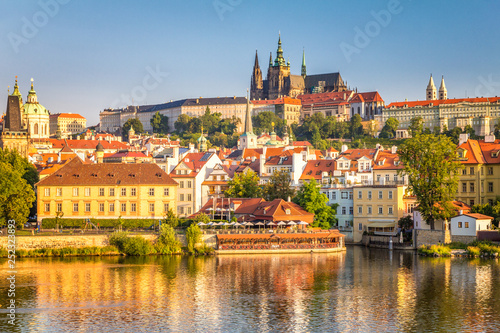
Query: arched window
{"x": 35, "y": 130}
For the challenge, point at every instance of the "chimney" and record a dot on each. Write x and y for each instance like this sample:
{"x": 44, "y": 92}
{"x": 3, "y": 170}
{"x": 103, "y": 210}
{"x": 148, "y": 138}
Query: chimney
{"x": 463, "y": 138}
{"x": 394, "y": 149}
{"x": 343, "y": 149}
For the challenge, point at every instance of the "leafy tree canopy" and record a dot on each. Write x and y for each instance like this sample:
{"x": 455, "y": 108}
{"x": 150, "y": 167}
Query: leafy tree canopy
{"x": 132, "y": 123}
{"x": 262, "y": 122}
{"x": 244, "y": 185}
{"x": 432, "y": 168}
{"x": 310, "y": 198}
{"x": 278, "y": 186}
{"x": 159, "y": 123}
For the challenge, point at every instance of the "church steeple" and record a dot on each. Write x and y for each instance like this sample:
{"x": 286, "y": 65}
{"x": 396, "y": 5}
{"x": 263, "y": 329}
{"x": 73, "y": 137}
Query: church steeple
{"x": 280, "y": 60}
{"x": 443, "y": 92}
{"x": 16, "y": 90}
{"x": 32, "y": 98}
{"x": 248, "y": 118}
{"x": 431, "y": 91}
{"x": 270, "y": 59}
{"x": 257, "y": 84}
{"x": 303, "y": 72}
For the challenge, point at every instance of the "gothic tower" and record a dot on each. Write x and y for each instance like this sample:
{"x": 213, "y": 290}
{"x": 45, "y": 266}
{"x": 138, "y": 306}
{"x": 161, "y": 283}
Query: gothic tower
{"x": 278, "y": 75}
{"x": 443, "y": 92}
{"x": 431, "y": 92}
{"x": 303, "y": 72}
{"x": 248, "y": 139}
{"x": 257, "y": 85}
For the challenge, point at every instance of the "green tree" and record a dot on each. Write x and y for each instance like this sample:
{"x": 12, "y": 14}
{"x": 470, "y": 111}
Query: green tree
{"x": 356, "y": 128}
{"x": 492, "y": 210}
{"x": 193, "y": 236}
{"x": 244, "y": 185}
{"x": 310, "y": 198}
{"x": 229, "y": 125}
{"x": 497, "y": 129}
{"x": 431, "y": 164}
{"x": 278, "y": 186}
{"x": 416, "y": 126}
{"x": 262, "y": 122}
{"x": 210, "y": 121}
{"x": 182, "y": 123}
{"x": 389, "y": 129}
{"x": 171, "y": 219}
{"x": 159, "y": 123}
{"x": 202, "y": 217}
{"x": 132, "y": 123}
{"x": 406, "y": 222}
{"x": 167, "y": 243}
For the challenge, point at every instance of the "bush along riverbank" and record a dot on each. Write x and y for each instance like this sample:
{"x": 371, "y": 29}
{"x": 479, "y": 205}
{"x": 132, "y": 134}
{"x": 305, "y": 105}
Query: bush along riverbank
{"x": 121, "y": 243}
{"x": 483, "y": 249}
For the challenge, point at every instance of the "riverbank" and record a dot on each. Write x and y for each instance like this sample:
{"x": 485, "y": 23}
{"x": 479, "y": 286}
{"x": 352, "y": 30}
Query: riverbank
{"x": 484, "y": 249}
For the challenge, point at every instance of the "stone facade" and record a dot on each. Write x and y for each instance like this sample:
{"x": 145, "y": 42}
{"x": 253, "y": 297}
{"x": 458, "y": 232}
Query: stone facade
{"x": 430, "y": 237}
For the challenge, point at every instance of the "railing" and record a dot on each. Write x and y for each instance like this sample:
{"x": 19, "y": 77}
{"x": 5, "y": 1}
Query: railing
{"x": 279, "y": 246}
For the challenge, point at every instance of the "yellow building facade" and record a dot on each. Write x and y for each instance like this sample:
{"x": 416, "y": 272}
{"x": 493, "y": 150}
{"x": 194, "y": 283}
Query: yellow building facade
{"x": 131, "y": 191}
{"x": 378, "y": 208}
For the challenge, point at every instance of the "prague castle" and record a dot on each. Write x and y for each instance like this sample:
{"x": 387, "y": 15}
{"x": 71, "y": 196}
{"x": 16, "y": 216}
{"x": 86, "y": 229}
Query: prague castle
{"x": 280, "y": 82}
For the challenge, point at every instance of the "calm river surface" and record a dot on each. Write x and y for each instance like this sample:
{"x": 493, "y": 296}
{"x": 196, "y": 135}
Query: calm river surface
{"x": 362, "y": 290}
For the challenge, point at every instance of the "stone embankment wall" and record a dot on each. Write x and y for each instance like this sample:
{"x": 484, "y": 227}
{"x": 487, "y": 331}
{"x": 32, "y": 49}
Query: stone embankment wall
{"x": 60, "y": 241}
{"x": 463, "y": 239}
{"x": 431, "y": 237}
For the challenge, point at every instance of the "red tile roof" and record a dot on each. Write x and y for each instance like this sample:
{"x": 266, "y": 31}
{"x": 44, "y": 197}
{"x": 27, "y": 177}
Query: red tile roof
{"x": 67, "y": 115}
{"x": 194, "y": 161}
{"x": 479, "y": 216}
{"x": 411, "y": 104}
{"x": 282, "y": 100}
{"x": 315, "y": 169}
{"x": 88, "y": 144}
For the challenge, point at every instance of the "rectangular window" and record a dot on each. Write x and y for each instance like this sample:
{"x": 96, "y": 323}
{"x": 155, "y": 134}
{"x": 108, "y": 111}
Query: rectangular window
{"x": 369, "y": 195}
{"x": 490, "y": 186}
{"x": 490, "y": 171}
{"x": 390, "y": 194}
{"x": 464, "y": 187}
{"x": 151, "y": 191}
{"x": 111, "y": 192}
{"x": 189, "y": 197}
{"x": 87, "y": 207}
{"x": 471, "y": 171}
{"x": 47, "y": 192}
{"x": 387, "y": 179}
{"x": 351, "y": 212}
{"x": 75, "y": 191}
{"x": 344, "y": 211}
{"x": 87, "y": 191}
{"x": 189, "y": 210}
{"x": 369, "y": 208}
{"x": 75, "y": 207}
{"x": 151, "y": 207}
{"x": 101, "y": 191}
{"x": 133, "y": 207}
{"x": 123, "y": 207}
{"x": 181, "y": 184}
{"x": 166, "y": 207}
{"x": 111, "y": 207}
{"x": 389, "y": 210}
{"x": 181, "y": 197}
{"x": 133, "y": 191}
{"x": 395, "y": 178}
{"x": 344, "y": 195}
{"x": 466, "y": 224}
{"x": 360, "y": 226}
{"x": 380, "y": 210}
{"x": 360, "y": 209}
{"x": 334, "y": 195}
{"x": 181, "y": 210}
{"x": 460, "y": 224}
{"x": 350, "y": 195}
{"x": 47, "y": 207}
{"x": 464, "y": 171}
{"x": 472, "y": 202}
{"x": 59, "y": 207}
{"x": 380, "y": 195}
{"x": 166, "y": 192}
{"x": 360, "y": 195}
{"x": 123, "y": 192}
{"x": 190, "y": 185}
{"x": 101, "y": 207}
{"x": 59, "y": 192}
{"x": 471, "y": 187}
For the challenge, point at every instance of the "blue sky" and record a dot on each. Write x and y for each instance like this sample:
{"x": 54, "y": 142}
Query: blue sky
{"x": 89, "y": 55}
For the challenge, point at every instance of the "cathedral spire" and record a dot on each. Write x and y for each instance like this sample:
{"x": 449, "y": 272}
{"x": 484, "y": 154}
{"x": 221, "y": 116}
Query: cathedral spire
{"x": 270, "y": 59}
{"x": 256, "y": 64}
{"x": 303, "y": 72}
{"x": 280, "y": 60}
{"x": 431, "y": 92}
{"x": 443, "y": 92}
{"x": 248, "y": 118}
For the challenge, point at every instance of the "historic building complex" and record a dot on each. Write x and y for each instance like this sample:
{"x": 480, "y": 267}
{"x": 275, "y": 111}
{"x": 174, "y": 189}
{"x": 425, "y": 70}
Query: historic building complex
{"x": 280, "y": 82}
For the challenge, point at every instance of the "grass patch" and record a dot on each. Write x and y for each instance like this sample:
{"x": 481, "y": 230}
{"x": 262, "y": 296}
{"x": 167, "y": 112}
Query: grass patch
{"x": 435, "y": 250}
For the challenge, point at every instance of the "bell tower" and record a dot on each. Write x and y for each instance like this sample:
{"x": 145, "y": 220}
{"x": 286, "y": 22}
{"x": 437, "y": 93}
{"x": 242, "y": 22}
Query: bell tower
{"x": 443, "y": 92}
{"x": 431, "y": 92}
{"x": 257, "y": 84}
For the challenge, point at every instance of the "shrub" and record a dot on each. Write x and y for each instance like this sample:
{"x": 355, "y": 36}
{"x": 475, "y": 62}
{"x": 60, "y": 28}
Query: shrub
{"x": 457, "y": 246}
{"x": 167, "y": 243}
{"x": 50, "y": 223}
{"x": 435, "y": 250}
{"x": 137, "y": 246}
{"x": 204, "y": 249}
{"x": 193, "y": 236}
{"x": 473, "y": 251}
{"x": 118, "y": 239}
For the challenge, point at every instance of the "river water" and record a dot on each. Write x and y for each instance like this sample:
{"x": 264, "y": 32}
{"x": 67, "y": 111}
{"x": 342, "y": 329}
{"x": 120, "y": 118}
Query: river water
{"x": 361, "y": 290}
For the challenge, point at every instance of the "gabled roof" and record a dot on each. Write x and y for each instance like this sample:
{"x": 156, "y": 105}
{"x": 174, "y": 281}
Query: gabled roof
{"x": 390, "y": 160}
{"x": 479, "y": 216}
{"x": 355, "y": 154}
{"x": 436, "y": 102}
{"x": 194, "y": 161}
{"x": 285, "y": 158}
{"x": 315, "y": 169}
{"x": 88, "y": 144}
{"x": 67, "y": 115}
{"x": 75, "y": 172}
